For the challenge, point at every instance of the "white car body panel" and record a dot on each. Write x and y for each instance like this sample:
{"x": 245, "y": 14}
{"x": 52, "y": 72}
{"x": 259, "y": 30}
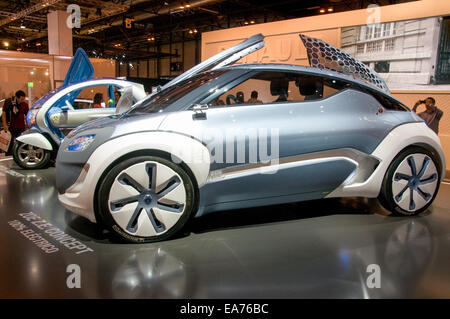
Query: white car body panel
{"x": 36, "y": 139}
{"x": 79, "y": 198}
{"x": 399, "y": 138}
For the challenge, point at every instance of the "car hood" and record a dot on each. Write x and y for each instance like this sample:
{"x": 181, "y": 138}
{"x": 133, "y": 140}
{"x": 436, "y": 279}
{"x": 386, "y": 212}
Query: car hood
{"x": 118, "y": 125}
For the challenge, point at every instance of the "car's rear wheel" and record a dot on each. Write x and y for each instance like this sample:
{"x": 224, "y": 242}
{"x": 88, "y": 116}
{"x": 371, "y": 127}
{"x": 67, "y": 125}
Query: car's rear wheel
{"x": 411, "y": 182}
{"x": 30, "y": 157}
{"x": 145, "y": 199}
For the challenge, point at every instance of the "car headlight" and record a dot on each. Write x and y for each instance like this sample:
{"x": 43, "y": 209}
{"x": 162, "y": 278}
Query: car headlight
{"x": 31, "y": 117}
{"x": 81, "y": 143}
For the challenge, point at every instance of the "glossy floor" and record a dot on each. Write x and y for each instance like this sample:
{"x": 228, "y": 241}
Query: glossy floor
{"x": 314, "y": 249}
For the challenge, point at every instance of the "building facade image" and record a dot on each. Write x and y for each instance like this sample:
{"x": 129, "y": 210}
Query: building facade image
{"x": 404, "y": 53}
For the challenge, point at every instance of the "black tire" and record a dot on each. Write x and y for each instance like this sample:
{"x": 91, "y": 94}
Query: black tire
{"x": 26, "y": 165}
{"x": 386, "y": 196}
{"x": 102, "y": 200}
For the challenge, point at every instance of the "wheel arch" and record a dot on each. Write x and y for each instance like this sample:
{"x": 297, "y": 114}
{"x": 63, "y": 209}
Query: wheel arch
{"x": 149, "y": 152}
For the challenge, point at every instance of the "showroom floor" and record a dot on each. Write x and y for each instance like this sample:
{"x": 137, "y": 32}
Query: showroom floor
{"x": 314, "y": 249}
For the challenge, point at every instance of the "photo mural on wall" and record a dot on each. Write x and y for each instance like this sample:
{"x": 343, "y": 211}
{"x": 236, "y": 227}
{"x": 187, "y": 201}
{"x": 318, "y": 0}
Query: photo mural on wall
{"x": 408, "y": 55}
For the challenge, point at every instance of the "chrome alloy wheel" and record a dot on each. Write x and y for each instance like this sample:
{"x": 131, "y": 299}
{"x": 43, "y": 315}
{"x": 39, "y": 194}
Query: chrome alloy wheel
{"x": 30, "y": 155}
{"x": 414, "y": 182}
{"x": 147, "y": 199}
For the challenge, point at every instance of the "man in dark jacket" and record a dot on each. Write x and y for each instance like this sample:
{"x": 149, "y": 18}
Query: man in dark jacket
{"x": 14, "y": 116}
{"x": 432, "y": 115}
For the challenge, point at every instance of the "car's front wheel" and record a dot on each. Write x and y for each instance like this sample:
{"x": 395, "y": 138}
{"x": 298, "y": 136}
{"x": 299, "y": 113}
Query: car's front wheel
{"x": 411, "y": 182}
{"x": 145, "y": 199}
{"x": 29, "y": 156}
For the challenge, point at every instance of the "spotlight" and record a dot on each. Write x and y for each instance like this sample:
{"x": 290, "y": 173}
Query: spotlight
{"x": 322, "y": 10}
{"x": 6, "y": 44}
{"x": 252, "y": 21}
{"x": 245, "y": 22}
{"x": 330, "y": 9}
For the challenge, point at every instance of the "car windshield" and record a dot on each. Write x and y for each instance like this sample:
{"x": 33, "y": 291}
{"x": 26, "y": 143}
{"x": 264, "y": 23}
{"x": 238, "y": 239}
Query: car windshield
{"x": 158, "y": 102}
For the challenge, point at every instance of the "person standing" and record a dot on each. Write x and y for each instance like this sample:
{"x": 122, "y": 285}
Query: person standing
{"x": 254, "y": 98}
{"x": 98, "y": 101}
{"x": 432, "y": 115}
{"x": 15, "y": 112}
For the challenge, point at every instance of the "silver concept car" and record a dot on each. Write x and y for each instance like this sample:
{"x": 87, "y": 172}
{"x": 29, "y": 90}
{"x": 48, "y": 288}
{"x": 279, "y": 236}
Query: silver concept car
{"x": 224, "y": 136}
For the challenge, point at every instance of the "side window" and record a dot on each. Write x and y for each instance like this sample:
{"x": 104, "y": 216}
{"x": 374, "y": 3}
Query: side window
{"x": 388, "y": 103}
{"x": 92, "y": 97}
{"x": 278, "y": 87}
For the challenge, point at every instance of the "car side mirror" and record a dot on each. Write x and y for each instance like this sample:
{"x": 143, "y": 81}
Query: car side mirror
{"x": 199, "y": 114}
{"x": 126, "y": 100}
{"x": 200, "y": 107}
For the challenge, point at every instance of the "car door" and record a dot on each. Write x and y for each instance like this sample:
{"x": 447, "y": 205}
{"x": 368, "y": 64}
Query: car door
{"x": 282, "y": 149}
{"x": 70, "y": 113}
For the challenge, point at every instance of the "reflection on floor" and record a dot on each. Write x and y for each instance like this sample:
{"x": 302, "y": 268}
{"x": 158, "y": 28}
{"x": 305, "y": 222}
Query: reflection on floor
{"x": 315, "y": 249}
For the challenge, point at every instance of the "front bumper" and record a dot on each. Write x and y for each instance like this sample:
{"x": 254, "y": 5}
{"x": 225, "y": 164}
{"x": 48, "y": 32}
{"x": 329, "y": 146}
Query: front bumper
{"x": 79, "y": 197}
